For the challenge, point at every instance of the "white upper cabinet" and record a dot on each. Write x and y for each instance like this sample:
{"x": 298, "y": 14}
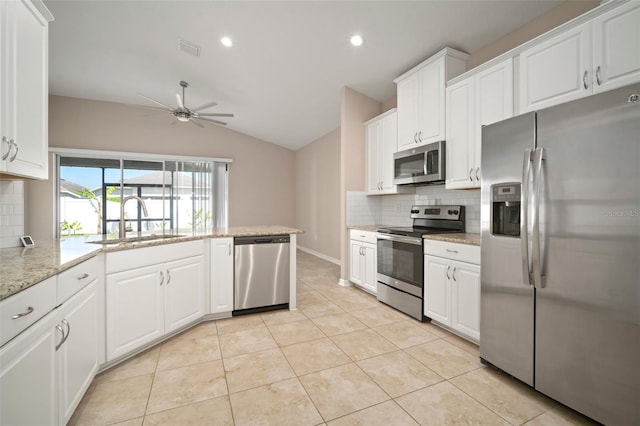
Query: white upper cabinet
{"x": 616, "y": 47}
{"x": 556, "y": 70}
{"x": 24, "y": 36}
{"x": 597, "y": 55}
{"x": 421, "y": 98}
{"x": 381, "y": 143}
{"x": 482, "y": 98}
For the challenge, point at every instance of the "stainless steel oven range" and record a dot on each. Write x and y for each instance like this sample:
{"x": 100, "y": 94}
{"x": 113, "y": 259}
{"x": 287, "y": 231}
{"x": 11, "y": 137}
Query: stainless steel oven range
{"x": 401, "y": 257}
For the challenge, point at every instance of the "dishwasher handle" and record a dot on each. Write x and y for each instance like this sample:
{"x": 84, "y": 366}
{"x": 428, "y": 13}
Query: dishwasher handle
{"x": 268, "y": 239}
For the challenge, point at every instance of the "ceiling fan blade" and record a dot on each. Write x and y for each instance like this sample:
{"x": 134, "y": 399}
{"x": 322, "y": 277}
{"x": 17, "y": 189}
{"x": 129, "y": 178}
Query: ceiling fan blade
{"x": 220, "y": 114}
{"x": 153, "y": 100}
{"x": 156, "y": 109}
{"x": 194, "y": 121}
{"x": 213, "y": 121}
{"x": 180, "y": 104}
{"x": 205, "y": 106}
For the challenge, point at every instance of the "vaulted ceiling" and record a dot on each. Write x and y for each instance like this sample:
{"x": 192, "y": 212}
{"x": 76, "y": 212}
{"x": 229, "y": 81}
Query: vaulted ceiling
{"x": 289, "y": 60}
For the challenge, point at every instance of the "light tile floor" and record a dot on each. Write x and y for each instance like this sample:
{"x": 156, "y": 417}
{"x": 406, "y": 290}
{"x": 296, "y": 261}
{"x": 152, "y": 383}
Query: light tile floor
{"x": 341, "y": 359}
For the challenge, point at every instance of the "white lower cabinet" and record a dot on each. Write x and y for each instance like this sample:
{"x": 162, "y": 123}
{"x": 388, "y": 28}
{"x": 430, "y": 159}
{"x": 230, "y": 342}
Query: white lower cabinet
{"x": 221, "y": 275}
{"x": 363, "y": 260}
{"x": 452, "y": 289}
{"x": 78, "y": 356}
{"x": 28, "y": 376}
{"x": 45, "y": 371}
{"x": 145, "y": 302}
{"x": 184, "y": 292}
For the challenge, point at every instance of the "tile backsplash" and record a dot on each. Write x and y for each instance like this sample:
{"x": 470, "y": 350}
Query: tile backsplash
{"x": 11, "y": 213}
{"x": 394, "y": 209}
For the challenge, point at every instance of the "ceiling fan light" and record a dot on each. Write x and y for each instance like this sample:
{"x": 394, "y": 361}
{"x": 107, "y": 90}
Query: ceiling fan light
{"x": 182, "y": 116}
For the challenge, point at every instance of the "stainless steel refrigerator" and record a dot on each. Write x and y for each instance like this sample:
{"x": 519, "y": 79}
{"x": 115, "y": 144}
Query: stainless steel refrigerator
{"x": 560, "y": 292}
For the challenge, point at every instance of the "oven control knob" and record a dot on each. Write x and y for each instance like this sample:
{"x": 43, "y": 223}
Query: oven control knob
{"x": 455, "y": 212}
{"x": 450, "y": 212}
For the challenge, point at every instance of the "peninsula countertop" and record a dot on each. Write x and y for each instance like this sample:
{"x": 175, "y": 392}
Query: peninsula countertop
{"x": 22, "y": 267}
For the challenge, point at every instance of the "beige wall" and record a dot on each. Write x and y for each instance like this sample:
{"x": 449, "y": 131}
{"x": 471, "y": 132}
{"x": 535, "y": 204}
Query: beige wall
{"x": 356, "y": 108}
{"x": 318, "y": 195}
{"x": 540, "y": 25}
{"x": 261, "y": 178}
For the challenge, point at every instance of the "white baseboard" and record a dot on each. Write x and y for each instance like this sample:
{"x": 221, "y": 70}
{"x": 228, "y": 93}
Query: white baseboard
{"x": 320, "y": 255}
{"x": 344, "y": 283}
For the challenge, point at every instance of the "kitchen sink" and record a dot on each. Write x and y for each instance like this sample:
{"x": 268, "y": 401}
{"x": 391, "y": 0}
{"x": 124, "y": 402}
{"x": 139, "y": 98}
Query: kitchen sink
{"x": 135, "y": 239}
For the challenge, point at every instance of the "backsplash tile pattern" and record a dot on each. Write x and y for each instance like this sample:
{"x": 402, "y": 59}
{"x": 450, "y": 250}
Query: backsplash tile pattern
{"x": 11, "y": 213}
{"x": 394, "y": 209}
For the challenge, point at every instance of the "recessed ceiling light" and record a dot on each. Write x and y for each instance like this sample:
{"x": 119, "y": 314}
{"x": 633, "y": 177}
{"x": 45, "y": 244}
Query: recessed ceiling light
{"x": 356, "y": 40}
{"x": 226, "y": 41}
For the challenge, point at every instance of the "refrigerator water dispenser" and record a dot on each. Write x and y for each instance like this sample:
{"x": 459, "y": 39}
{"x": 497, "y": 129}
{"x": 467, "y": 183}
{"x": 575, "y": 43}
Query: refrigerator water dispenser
{"x": 505, "y": 209}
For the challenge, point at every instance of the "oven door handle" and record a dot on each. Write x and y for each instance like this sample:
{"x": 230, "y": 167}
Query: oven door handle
{"x": 400, "y": 239}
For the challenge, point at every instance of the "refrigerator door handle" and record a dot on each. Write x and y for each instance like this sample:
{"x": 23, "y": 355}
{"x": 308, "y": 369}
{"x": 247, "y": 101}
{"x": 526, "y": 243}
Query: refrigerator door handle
{"x": 524, "y": 217}
{"x": 536, "y": 258}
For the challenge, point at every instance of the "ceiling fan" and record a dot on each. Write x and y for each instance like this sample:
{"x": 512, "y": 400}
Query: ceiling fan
{"x": 182, "y": 113}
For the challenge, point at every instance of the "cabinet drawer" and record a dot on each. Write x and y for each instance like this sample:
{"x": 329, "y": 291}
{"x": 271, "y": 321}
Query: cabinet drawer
{"x": 364, "y": 236}
{"x": 75, "y": 279}
{"x": 34, "y": 303}
{"x": 139, "y": 257}
{"x": 461, "y": 252}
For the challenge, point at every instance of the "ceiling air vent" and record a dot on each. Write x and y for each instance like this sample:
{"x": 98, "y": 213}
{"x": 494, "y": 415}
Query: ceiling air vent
{"x": 188, "y": 47}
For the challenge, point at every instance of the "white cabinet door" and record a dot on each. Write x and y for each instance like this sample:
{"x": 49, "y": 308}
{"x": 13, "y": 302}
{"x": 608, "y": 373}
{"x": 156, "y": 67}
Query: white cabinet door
{"x": 369, "y": 267}
{"x": 28, "y": 381}
{"x": 183, "y": 292}
{"x": 221, "y": 275}
{"x": 431, "y": 117}
{"x": 616, "y": 47}
{"x": 437, "y": 293}
{"x": 387, "y": 147}
{"x": 355, "y": 263}
{"x": 557, "y": 70}
{"x": 78, "y": 356}
{"x": 373, "y": 156}
{"x": 408, "y": 111}
{"x": 461, "y": 134}
{"x": 465, "y": 284}
{"x": 135, "y": 309}
{"x": 24, "y": 90}
{"x": 494, "y": 102}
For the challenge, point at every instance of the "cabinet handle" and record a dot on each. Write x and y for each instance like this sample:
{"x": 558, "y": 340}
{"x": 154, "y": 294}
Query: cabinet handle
{"x": 478, "y": 174}
{"x": 452, "y": 251}
{"x": 4, "y": 156}
{"x": 229, "y": 249}
{"x": 83, "y": 276}
{"x": 598, "y": 75}
{"x": 65, "y": 322}
{"x": 23, "y": 314}
{"x": 15, "y": 154}
{"x": 420, "y": 136}
{"x": 161, "y": 278}
{"x": 470, "y": 171}
{"x": 59, "y": 328}
{"x": 168, "y": 276}
{"x": 415, "y": 135}
{"x": 584, "y": 80}
{"x": 448, "y": 269}
{"x": 453, "y": 274}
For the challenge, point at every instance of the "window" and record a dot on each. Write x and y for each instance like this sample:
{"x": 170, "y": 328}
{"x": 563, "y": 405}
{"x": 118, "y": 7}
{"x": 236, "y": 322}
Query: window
{"x": 179, "y": 195}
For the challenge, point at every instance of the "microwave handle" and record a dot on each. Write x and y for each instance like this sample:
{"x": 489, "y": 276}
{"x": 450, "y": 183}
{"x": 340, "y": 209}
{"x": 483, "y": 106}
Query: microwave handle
{"x": 424, "y": 163}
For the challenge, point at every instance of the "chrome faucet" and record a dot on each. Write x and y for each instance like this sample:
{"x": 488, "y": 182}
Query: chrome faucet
{"x": 123, "y": 228}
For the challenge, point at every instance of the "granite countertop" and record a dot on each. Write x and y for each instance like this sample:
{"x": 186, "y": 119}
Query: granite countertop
{"x": 460, "y": 238}
{"x": 22, "y": 267}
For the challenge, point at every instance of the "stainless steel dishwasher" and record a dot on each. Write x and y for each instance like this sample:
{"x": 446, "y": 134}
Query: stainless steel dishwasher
{"x": 261, "y": 273}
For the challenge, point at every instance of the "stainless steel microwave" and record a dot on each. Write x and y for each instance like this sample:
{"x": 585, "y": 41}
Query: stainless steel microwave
{"x": 421, "y": 165}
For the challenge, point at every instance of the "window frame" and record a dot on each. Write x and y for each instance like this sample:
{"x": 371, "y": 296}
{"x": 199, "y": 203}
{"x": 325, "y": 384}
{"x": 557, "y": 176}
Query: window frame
{"x": 133, "y": 156}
